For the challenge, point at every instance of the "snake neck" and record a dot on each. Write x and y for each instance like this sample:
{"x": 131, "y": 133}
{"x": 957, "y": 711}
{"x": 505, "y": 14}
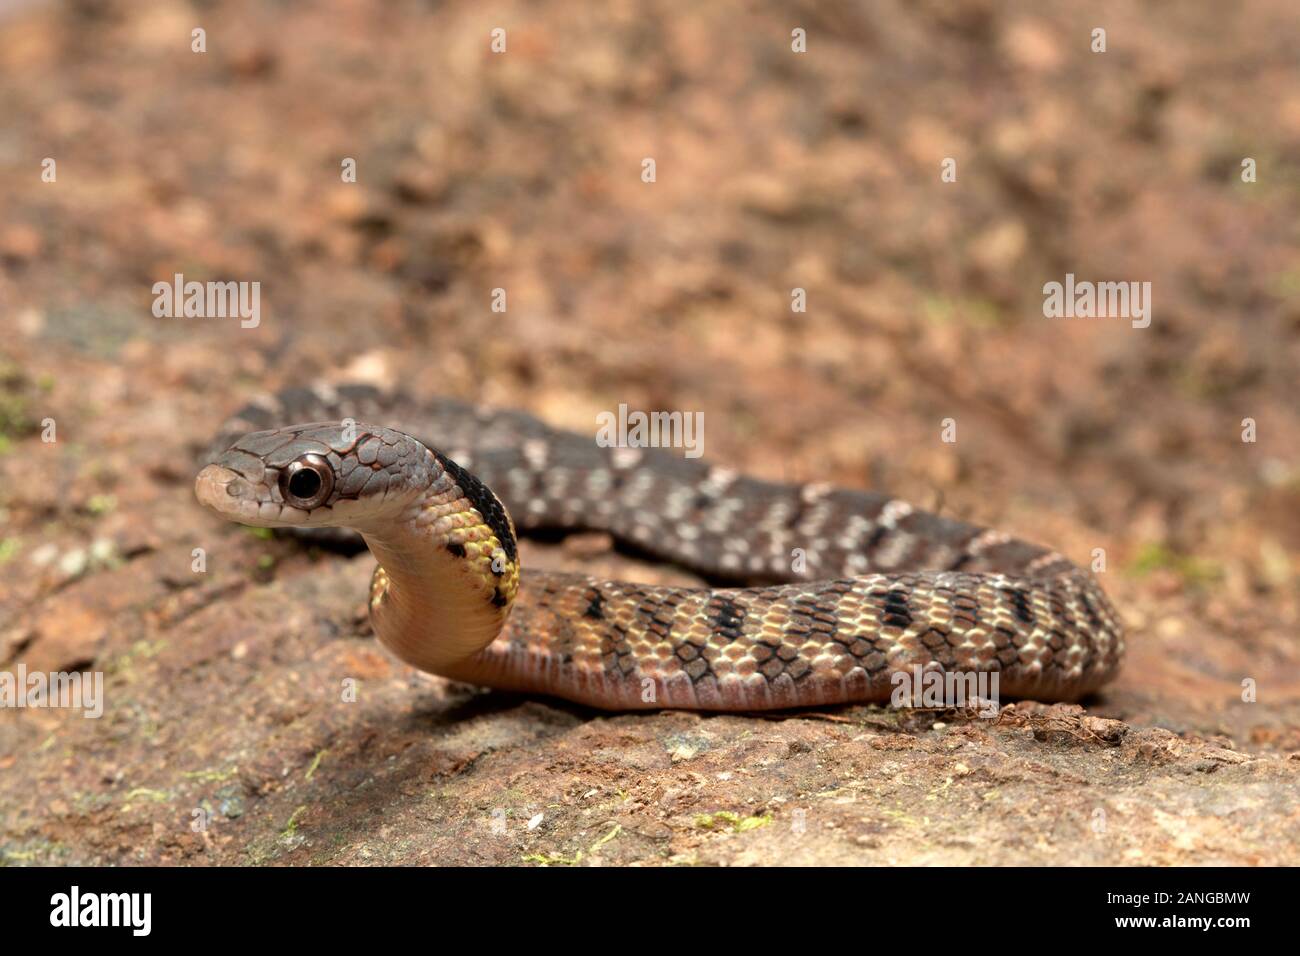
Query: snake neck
{"x": 448, "y": 573}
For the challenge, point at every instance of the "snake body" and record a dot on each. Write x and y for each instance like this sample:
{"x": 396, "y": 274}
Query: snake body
{"x": 848, "y": 588}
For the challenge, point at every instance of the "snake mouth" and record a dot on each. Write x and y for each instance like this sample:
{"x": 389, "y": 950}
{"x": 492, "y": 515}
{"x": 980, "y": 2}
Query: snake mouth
{"x": 233, "y": 496}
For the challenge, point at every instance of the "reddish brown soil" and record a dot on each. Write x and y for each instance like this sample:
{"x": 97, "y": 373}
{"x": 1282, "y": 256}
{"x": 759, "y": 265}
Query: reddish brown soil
{"x": 774, "y": 170}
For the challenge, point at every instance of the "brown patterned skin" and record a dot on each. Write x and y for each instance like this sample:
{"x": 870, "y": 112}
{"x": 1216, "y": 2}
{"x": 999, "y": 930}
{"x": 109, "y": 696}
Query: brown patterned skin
{"x": 883, "y": 588}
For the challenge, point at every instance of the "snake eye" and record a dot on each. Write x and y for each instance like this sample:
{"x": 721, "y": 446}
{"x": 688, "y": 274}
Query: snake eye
{"x": 307, "y": 482}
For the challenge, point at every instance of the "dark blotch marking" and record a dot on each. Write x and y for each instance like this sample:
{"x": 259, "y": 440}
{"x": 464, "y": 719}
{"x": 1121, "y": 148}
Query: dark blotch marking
{"x": 484, "y": 501}
{"x": 727, "y": 618}
{"x": 595, "y": 608}
{"x": 877, "y": 535}
{"x": 797, "y": 512}
{"x": 1091, "y": 611}
{"x": 616, "y": 652}
{"x": 963, "y": 559}
{"x": 1020, "y": 602}
{"x": 897, "y": 612}
{"x": 657, "y": 614}
{"x": 498, "y": 599}
{"x": 457, "y": 549}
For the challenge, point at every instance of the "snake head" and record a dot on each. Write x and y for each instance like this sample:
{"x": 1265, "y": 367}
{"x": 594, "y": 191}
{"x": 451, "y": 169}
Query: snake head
{"x": 326, "y": 474}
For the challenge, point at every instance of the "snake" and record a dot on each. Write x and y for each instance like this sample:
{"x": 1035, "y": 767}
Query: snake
{"x": 814, "y": 594}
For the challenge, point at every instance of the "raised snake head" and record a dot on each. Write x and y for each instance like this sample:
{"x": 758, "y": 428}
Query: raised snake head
{"x": 324, "y": 474}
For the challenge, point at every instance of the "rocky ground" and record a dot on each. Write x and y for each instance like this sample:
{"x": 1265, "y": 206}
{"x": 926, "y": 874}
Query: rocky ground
{"x": 225, "y": 737}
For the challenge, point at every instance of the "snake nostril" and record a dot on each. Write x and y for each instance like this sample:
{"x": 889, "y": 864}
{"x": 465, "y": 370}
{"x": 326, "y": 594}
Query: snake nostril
{"x": 237, "y": 488}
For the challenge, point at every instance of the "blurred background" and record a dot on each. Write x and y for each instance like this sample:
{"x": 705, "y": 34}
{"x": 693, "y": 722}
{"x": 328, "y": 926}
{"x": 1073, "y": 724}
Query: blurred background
{"x": 774, "y": 170}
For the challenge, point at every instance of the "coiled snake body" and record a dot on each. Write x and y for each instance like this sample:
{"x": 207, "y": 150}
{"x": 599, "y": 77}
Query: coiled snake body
{"x": 882, "y": 589}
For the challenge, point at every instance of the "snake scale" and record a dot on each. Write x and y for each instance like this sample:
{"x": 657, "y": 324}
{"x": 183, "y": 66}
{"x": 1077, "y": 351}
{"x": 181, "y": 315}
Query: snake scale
{"x": 882, "y": 587}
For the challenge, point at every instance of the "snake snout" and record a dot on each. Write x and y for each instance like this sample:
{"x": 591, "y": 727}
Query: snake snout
{"x": 215, "y": 486}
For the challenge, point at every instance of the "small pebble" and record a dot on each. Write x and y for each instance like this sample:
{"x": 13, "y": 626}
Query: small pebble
{"x": 73, "y": 564}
